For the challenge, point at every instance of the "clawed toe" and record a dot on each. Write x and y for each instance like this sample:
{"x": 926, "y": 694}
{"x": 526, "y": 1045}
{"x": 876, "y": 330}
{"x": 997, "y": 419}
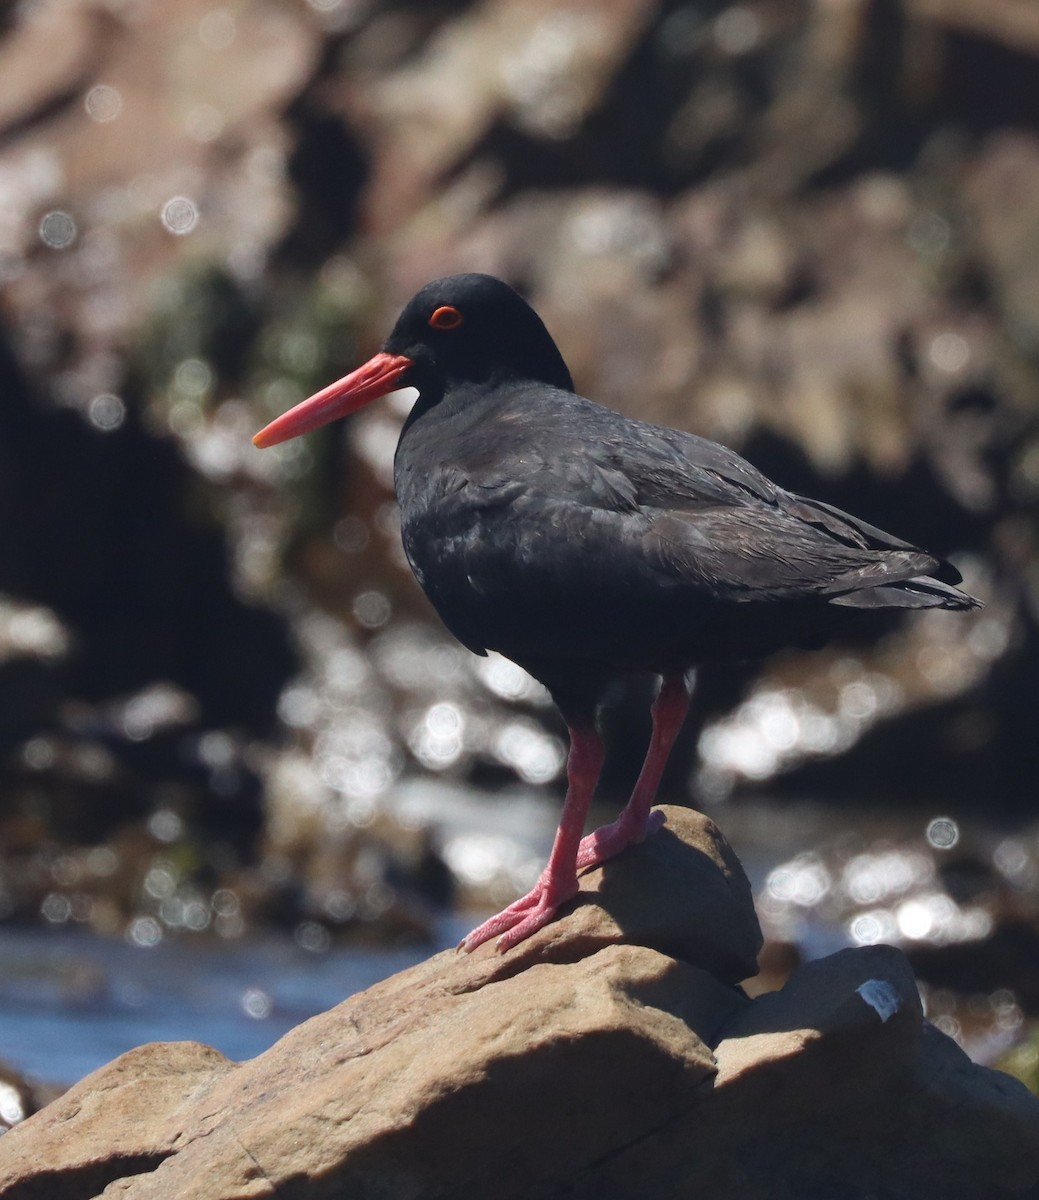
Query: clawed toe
{"x": 534, "y": 910}
{"x": 522, "y": 918}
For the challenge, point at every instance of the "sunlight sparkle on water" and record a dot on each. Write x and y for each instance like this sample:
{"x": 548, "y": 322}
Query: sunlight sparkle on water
{"x": 58, "y": 230}
{"x": 897, "y": 893}
{"x": 949, "y": 352}
{"x": 193, "y": 377}
{"x": 414, "y": 659}
{"x": 185, "y": 912}
{"x": 224, "y": 902}
{"x": 180, "y": 215}
{"x": 917, "y": 918}
{"x": 299, "y": 706}
{"x": 356, "y": 755}
{"x": 160, "y": 882}
{"x": 536, "y": 757}
{"x": 30, "y": 631}
{"x": 437, "y": 740}
{"x": 144, "y": 932}
{"x": 161, "y": 705}
{"x": 339, "y": 905}
{"x": 1014, "y": 861}
{"x": 938, "y": 918}
{"x": 106, "y": 412}
{"x": 872, "y": 877}
{"x": 103, "y": 103}
{"x": 372, "y": 609}
{"x": 803, "y": 881}
{"x": 217, "y": 748}
{"x": 934, "y": 917}
{"x": 541, "y": 72}
{"x": 39, "y": 753}
{"x": 480, "y": 859}
{"x": 474, "y": 858}
{"x": 869, "y": 928}
{"x": 12, "y": 1110}
{"x": 777, "y": 727}
{"x": 257, "y": 1004}
{"x": 346, "y": 671}
{"x": 508, "y": 680}
{"x": 311, "y": 936}
{"x": 185, "y": 418}
{"x": 56, "y": 908}
{"x": 943, "y": 833}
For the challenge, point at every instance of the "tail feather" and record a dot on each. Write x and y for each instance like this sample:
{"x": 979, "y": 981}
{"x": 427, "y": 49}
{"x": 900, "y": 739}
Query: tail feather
{"x": 922, "y": 591}
{"x": 853, "y": 531}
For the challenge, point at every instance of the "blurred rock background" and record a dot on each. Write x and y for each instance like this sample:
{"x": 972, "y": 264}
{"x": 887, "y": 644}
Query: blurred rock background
{"x": 809, "y": 230}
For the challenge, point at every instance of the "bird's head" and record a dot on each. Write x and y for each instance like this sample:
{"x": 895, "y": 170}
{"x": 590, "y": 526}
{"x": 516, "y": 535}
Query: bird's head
{"x": 455, "y": 330}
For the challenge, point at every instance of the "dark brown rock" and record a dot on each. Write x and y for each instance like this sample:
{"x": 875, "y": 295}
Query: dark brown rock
{"x": 836, "y": 1086}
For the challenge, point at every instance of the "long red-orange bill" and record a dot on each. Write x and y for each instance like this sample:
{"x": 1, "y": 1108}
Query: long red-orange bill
{"x": 378, "y": 376}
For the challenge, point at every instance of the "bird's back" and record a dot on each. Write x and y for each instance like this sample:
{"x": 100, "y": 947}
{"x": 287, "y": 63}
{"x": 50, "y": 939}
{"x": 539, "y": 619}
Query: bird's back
{"x": 550, "y": 528}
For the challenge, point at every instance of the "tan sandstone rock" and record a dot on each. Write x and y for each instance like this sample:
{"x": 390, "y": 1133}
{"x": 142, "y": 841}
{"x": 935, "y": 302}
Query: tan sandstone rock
{"x": 608, "y": 1057}
{"x": 683, "y": 892}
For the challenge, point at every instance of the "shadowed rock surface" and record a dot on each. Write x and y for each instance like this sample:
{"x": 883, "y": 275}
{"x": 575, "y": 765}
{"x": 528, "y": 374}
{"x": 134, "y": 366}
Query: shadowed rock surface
{"x": 611, "y": 1055}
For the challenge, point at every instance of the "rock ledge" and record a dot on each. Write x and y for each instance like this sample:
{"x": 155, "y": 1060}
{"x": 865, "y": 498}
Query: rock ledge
{"x": 610, "y": 1056}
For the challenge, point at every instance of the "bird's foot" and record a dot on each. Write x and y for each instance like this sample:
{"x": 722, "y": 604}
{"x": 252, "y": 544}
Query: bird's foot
{"x": 534, "y": 910}
{"x": 610, "y": 840}
{"x": 523, "y": 917}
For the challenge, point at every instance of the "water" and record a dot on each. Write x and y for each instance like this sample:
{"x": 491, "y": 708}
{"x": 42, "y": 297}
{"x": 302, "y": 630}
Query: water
{"x": 70, "y": 1002}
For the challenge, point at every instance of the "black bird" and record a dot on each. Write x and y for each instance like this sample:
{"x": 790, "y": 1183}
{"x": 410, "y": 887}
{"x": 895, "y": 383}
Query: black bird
{"x": 586, "y": 546}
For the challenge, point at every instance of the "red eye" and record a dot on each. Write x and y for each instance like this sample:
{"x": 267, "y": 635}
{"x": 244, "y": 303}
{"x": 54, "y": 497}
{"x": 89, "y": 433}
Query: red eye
{"x": 446, "y": 317}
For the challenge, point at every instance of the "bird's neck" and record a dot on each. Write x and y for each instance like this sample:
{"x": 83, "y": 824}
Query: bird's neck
{"x": 470, "y": 399}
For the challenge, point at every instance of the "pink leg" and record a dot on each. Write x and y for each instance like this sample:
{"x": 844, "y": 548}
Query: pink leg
{"x": 637, "y": 820}
{"x": 558, "y": 881}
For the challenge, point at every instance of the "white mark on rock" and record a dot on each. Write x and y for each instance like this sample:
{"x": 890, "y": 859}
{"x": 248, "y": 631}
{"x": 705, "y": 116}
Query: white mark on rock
{"x": 880, "y": 996}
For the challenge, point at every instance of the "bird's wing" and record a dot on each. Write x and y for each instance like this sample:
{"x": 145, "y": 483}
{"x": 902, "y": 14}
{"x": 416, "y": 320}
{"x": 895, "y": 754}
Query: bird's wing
{"x": 755, "y": 553}
{"x": 687, "y": 470}
{"x": 715, "y": 522}
{"x": 856, "y": 532}
{"x": 585, "y": 480}
{"x": 648, "y": 503}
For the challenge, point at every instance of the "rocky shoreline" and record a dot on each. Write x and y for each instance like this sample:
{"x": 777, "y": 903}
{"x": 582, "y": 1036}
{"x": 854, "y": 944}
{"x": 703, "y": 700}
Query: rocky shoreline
{"x": 788, "y": 228}
{"x": 612, "y": 1055}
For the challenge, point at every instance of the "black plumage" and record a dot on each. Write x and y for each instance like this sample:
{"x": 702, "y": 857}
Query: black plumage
{"x": 585, "y": 545}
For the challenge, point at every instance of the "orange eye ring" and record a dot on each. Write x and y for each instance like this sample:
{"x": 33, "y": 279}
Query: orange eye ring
{"x": 445, "y": 317}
